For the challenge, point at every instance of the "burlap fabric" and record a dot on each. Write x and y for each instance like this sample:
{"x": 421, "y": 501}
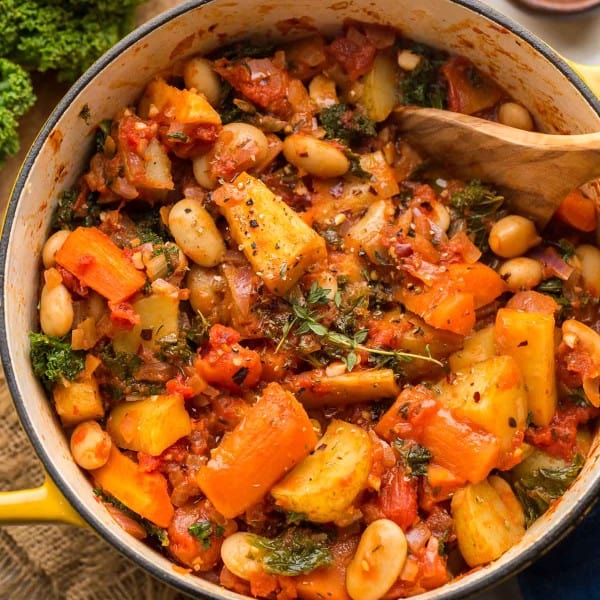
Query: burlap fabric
{"x": 57, "y": 562}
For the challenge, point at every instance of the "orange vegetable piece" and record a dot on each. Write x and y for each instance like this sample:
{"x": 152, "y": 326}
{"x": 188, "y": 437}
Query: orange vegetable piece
{"x": 454, "y": 313}
{"x": 144, "y": 493}
{"x": 272, "y": 437}
{"x": 578, "y": 211}
{"x": 461, "y": 447}
{"x": 100, "y": 264}
{"x": 478, "y": 279}
{"x": 469, "y": 90}
{"x": 450, "y": 302}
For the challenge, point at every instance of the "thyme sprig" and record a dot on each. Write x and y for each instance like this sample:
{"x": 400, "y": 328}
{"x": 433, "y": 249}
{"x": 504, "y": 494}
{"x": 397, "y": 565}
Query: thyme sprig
{"x": 307, "y": 319}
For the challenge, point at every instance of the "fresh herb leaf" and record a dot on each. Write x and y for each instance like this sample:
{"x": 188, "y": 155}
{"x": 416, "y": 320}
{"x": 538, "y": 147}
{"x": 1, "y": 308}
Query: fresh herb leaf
{"x": 178, "y": 136}
{"x": 565, "y": 248}
{"x": 306, "y": 318}
{"x": 121, "y": 364}
{"x": 53, "y": 359}
{"x": 539, "y": 489}
{"x": 71, "y": 212}
{"x": 423, "y": 85}
{"x": 204, "y": 530}
{"x": 294, "y": 552}
{"x": 349, "y": 126}
{"x": 477, "y": 205}
{"x": 415, "y": 457}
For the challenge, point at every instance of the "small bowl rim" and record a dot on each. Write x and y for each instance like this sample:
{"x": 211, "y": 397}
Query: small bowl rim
{"x": 540, "y": 546}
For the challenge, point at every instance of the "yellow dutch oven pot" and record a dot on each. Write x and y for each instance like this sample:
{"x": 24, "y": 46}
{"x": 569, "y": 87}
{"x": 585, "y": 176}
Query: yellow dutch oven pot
{"x": 530, "y": 71}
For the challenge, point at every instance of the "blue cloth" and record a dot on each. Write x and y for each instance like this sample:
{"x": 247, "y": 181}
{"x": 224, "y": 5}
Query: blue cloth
{"x": 571, "y": 570}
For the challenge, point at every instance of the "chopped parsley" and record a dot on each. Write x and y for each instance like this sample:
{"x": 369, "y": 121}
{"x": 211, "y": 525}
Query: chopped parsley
{"x": 204, "y": 530}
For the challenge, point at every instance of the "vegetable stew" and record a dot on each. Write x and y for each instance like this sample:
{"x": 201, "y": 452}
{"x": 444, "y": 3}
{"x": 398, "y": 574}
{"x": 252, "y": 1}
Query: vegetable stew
{"x": 297, "y": 357}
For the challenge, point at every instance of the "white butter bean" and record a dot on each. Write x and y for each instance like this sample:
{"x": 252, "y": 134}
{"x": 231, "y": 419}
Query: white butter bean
{"x": 512, "y": 236}
{"x": 589, "y": 259}
{"x": 196, "y": 233}
{"x": 199, "y": 74}
{"x": 202, "y": 174}
{"x": 521, "y": 273}
{"x": 515, "y": 115}
{"x": 56, "y": 310}
{"x": 317, "y": 157}
{"x": 90, "y": 445}
{"x": 241, "y": 556}
{"x": 52, "y": 246}
{"x": 378, "y": 561}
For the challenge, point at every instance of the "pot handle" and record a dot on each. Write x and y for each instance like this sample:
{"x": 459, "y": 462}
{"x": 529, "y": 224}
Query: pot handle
{"x": 42, "y": 504}
{"x": 589, "y": 74}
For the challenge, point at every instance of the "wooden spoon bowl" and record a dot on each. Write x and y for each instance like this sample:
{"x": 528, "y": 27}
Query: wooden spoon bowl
{"x": 535, "y": 171}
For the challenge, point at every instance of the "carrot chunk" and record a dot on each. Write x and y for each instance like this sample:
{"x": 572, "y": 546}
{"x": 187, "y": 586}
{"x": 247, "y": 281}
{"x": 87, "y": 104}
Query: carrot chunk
{"x": 144, "y": 493}
{"x": 578, "y": 211}
{"x": 100, "y": 264}
{"x": 273, "y": 436}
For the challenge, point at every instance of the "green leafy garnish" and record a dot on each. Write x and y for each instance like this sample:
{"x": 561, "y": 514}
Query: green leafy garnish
{"x": 478, "y": 205}
{"x": 306, "y": 319}
{"x": 204, "y": 530}
{"x": 342, "y": 123}
{"x": 294, "y": 552}
{"x": 538, "y": 490}
{"x": 423, "y": 86}
{"x": 415, "y": 457}
{"x": 71, "y": 213}
{"x": 54, "y": 359}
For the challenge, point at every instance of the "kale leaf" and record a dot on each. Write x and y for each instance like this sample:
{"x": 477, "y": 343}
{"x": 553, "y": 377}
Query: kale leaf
{"x": 478, "y": 205}
{"x": 54, "y": 359}
{"x": 540, "y": 488}
{"x": 344, "y": 124}
{"x": 423, "y": 86}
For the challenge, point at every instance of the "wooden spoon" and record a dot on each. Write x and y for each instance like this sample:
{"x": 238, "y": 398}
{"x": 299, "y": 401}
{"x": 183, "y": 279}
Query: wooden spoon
{"x": 535, "y": 171}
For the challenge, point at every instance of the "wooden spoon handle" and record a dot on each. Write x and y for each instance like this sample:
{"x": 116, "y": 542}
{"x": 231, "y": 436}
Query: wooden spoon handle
{"x": 535, "y": 170}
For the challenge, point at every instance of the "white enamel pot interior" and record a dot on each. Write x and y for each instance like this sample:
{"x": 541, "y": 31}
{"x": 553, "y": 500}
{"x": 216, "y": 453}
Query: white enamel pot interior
{"x": 529, "y": 70}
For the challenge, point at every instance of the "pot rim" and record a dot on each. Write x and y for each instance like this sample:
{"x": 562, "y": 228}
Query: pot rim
{"x": 540, "y": 546}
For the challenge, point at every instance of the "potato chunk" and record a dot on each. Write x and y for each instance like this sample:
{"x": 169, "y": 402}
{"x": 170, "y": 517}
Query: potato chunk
{"x": 529, "y": 338}
{"x": 477, "y": 347}
{"x": 158, "y": 319}
{"x": 325, "y": 483}
{"x": 488, "y": 520}
{"x": 78, "y": 401}
{"x": 492, "y": 395}
{"x": 150, "y": 425}
{"x": 278, "y": 244}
